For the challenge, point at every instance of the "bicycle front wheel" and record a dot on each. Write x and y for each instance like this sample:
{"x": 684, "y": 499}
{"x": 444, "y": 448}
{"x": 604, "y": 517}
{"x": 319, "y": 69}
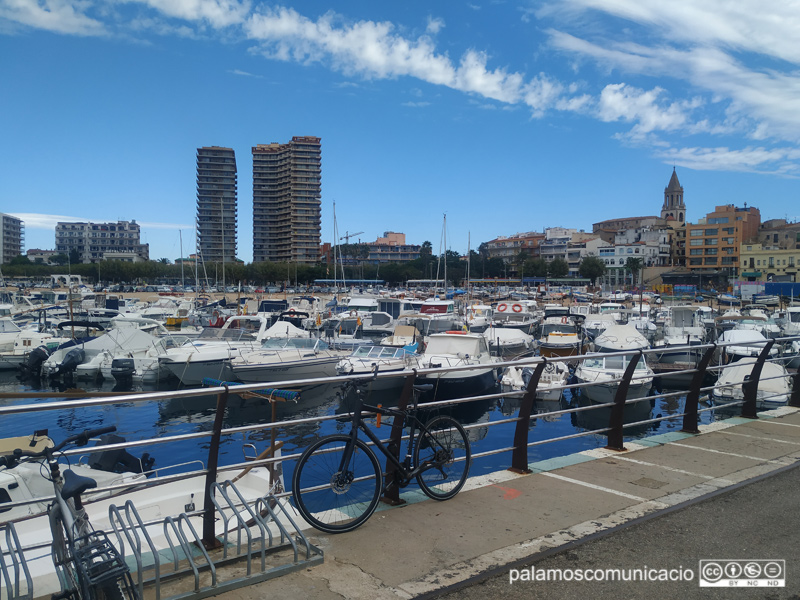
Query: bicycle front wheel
{"x": 443, "y": 448}
{"x": 332, "y": 498}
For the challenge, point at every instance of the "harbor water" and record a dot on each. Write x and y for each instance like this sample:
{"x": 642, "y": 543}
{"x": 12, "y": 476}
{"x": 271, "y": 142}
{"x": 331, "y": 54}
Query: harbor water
{"x": 172, "y": 417}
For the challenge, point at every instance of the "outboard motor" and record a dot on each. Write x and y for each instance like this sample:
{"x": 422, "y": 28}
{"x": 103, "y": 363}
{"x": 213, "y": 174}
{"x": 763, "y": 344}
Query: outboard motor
{"x": 120, "y": 460}
{"x": 122, "y": 370}
{"x": 32, "y": 365}
{"x": 71, "y": 361}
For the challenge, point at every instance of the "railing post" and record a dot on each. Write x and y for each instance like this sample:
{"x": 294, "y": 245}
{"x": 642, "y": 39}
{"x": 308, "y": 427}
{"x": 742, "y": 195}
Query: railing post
{"x": 209, "y": 531}
{"x": 690, "y": 415}
{"x": 794, "y": 400}
{"x": 391, "y": 493}
{"x": 519, "y": 457}
{"x": 616, "y": 419}
{"x": 750, "y": 385}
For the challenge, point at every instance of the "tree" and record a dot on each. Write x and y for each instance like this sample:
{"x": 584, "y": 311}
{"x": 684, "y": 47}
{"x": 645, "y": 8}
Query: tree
{"x": 163, "y": 261}
{"x": 558, "y": 268}
{"x": 20, "y": 260}
{"x": 634, "y": 265}
{"x": 74, "y": 256}
{"x": 59, "y": 259}
{"x": 592, "y": 267}
{"x": 536, "y": 267}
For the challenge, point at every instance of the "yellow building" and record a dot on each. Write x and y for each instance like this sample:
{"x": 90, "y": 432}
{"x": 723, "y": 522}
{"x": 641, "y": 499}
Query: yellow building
{"x": 769, "y": 263}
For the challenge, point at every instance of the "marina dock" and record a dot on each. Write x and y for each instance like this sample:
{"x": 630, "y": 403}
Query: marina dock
{"x": 505, "y": 520}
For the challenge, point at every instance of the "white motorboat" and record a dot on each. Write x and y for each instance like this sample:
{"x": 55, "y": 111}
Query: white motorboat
{"x": 550, "y": 387}
{"x": 507, "y": 341}
{"x": 209, "y": 354}
{"x": 605, "y": 371}
{"x": 155, "y": 502}
{"x": 560, "y": 336}
{"x": 367, "y": 360}
{"x": 744, "y": 343}
{"x": 457, "y": 349}
{"x": 619, "y": 338}
{"x": 479, "y": 317}
{"x": 774, "y": 384}
{"x": 516, "y": 315}
{"x": 283, "y": 359}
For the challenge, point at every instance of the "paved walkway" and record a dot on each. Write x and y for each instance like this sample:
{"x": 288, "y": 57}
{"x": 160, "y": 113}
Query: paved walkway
{"x": 426, "y": 549}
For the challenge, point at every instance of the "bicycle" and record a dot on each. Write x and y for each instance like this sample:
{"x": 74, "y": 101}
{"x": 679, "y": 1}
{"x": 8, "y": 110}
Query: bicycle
{"x": 88, "y": 566}
{"x": 337, "y": 483}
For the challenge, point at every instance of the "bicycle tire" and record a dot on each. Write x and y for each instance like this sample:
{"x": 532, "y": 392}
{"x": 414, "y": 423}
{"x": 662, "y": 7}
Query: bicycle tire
{"x": 445, "y": 446}
{"x": 330, "y": 506}
{"x": 64, "y": 562}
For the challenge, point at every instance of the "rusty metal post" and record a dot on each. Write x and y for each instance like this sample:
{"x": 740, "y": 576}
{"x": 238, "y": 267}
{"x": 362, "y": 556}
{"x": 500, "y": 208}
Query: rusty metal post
{"x": 519, "y": 458}
{"x": 794, "y": 400}
{"x": 616, "y": 419}
{"x": 750, "y": 386}
{"x": 209, "y": 534}
{"x": 391, "y": 493}
{"x": 690, "y": 415}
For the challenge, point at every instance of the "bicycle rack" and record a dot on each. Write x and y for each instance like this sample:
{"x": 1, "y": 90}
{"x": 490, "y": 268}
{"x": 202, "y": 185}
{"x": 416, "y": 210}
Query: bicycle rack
{"x": 258, "y": 541}
{"x": 15, "y": 577}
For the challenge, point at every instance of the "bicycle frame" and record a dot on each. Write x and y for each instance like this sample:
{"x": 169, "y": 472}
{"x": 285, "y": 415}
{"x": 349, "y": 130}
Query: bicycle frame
{"x": 357, "y": 422}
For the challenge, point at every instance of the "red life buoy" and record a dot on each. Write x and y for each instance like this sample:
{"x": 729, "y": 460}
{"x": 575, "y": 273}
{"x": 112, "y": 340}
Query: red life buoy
{"x": 502, "y": 307}
{"x": 517, "y": 308}
{"x": 564, "y": 320}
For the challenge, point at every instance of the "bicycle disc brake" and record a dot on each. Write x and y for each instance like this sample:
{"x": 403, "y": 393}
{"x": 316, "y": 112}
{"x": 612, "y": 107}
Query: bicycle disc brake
{"x": 341, "y": 481}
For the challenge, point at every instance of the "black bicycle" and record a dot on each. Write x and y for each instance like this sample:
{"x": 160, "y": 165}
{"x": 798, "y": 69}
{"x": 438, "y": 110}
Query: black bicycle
{"x": 338, "y": 481}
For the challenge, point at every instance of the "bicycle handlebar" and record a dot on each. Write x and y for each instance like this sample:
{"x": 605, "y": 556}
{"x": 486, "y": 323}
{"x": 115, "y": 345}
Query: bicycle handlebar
{"x": 80, "y": 439}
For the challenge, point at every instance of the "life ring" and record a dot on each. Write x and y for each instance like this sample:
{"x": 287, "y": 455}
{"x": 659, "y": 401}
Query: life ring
{"x": 516, "y": 308}
{"x": 353, "y": 313}
{"x": 502, "y": 307}
{"x": 564, "y": 320}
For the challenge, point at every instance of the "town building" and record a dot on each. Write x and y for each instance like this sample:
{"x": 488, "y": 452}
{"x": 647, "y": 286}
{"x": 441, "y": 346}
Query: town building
{"x": 392, "y": 247}
{"x": 41, "y": 257}
{"x": 217, "y": 213}
{"x": 94, "y": 242}
{"x": 714, "y": 242}
{"x": 509, "y": 247}
{"x": 286, "y": 201}
{"x": 12, "y": 238}
{"x": 779, "y": 233}
{"x": 769, "y": 263}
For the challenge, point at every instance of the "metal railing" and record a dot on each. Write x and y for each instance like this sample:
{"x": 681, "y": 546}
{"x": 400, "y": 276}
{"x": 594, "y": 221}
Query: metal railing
{"x": 268, "y": 516}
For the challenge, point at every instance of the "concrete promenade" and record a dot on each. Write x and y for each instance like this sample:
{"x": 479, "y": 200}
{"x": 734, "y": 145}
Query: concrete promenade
{"x": 597, "y": 509}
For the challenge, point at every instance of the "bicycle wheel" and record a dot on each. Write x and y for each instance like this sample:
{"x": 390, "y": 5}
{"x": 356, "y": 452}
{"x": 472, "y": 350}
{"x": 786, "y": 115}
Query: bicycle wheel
{"x": 444, "y": 447}
{"x": 334, "y": 501}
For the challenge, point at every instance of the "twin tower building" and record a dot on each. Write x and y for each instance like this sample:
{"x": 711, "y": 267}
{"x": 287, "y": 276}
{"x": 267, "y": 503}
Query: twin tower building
{"x": 286, "y": 202}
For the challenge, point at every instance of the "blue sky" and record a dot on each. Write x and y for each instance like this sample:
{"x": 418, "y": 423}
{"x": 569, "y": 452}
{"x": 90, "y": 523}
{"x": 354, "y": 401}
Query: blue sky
{"x": 505, "y": 116}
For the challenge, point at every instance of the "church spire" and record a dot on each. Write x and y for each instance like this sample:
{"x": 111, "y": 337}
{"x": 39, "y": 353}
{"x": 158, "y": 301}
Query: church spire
{"x": 674, "y": 209}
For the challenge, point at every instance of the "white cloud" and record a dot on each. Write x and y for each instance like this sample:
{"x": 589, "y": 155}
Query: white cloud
{"x": 45, "y": 221}
{"x": 434, "y": 25}
{"x": 218, "y": 13}
{"x": 58, "y": 16}
{"x": 374, "y": 50}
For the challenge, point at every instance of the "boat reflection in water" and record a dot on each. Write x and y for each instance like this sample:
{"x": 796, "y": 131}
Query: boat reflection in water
{"x": 599, "y": 416}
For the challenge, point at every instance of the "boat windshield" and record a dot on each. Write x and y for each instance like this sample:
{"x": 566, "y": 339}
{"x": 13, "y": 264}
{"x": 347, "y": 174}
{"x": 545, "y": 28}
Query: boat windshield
{"x": 280, "y": 343}
{"x": 549, "y": 328}
{"x": 616, "y": 363}
{"x": 212, "y": 333}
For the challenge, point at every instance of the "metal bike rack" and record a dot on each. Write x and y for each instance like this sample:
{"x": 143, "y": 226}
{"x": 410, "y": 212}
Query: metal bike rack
{"x": 15, "y": 577}
{"x": 259, "y": 541}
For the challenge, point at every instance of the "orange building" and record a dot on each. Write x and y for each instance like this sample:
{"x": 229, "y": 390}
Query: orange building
{"x": 713, "y": 243}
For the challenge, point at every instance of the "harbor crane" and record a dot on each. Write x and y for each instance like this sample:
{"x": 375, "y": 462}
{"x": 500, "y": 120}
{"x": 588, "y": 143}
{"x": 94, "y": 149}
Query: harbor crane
{"x": 347, "y": 235}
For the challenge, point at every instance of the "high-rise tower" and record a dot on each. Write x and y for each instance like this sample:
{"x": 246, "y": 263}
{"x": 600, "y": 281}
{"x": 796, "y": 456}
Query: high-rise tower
{"x": 216, "y": 204}
{"x": 286, "y": 201}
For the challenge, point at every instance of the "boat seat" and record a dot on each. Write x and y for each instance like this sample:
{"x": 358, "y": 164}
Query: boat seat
{"x": 75, "y": 485}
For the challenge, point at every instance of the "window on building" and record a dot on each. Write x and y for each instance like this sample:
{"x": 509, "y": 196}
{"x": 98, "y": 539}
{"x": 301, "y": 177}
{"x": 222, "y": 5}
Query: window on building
{"x": 711, "y": 232}
{"x": 711, "y": 241}
{"x": 696, "y": 232}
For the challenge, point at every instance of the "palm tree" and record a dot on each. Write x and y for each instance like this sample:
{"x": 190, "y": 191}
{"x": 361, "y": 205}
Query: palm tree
{"x": 634, "y": 265}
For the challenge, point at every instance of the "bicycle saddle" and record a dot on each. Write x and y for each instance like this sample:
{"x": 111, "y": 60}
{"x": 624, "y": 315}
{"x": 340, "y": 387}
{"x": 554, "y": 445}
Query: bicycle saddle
{"x": 75, "y": 485}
